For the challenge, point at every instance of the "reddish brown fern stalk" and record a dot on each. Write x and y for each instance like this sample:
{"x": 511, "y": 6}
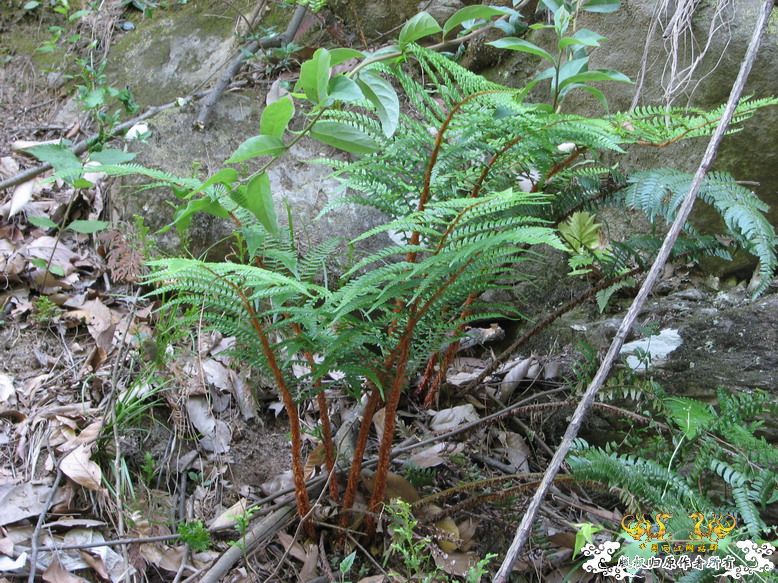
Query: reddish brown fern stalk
{"x": 326, "y": 426}
{"x": 301, "y": 490}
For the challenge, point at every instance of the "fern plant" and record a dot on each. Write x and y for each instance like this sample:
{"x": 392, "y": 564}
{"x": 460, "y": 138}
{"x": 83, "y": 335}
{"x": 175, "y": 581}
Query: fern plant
{"x": 712, "y": 460}
{"x": 474, "y": 181}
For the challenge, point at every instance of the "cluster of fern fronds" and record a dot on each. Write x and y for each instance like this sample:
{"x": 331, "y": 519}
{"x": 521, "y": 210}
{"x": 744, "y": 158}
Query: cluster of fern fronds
{"x": 712, "y": 460}
{"x": 474, "y": 181}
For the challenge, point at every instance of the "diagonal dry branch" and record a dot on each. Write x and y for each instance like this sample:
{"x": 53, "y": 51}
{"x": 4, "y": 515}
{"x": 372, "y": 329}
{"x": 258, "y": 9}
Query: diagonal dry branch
{"x": 523, "y": 531}
{"x": 272, "y": 41}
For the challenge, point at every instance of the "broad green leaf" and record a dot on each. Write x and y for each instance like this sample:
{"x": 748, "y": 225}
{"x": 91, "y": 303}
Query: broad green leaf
{"x": 584, "y": 536}
{"x": 596, "y": 75}
{"x": 31, "y": 5}
{"x": 540, "y": 26}
{"x": 78, "y": 14}
{"x": 470, "y": 13}
{"x": 338, "y": 56}
{"x": 43, "y": 263}
{"x": 604, "y": 295}
{"x": 88, "y": 227}
{"x": 255, "y": 147}
{"x": 276, "y": 117}
{"x": 561, "y": 20}
{"x": 690, "y": 415}
{"x": 82, "y": 183}
{"x": 344, "y": 89}
{"x": 225, "y": 176}
{"x": 548, "y": 73}
{"x": 552, "y": 5}
{"x": 589, "y": 89}
{"x": 581, "y": 231}
{"x": 258, "y": 199}
{"x": 383, "y": 96}
{"x": 602, "y": 6}
{"x": 344, "y": 137}
{"x": 315, "y": 76}
{"x": 111, "y": 156}
{"x": 42, "y": 222}
{"x": 517, "y": 44}
{"x": 345, "y": 564}
{"x": 570, "y": 69}
{"x": 58, "y": 155}
{"x": 183, "y": 217}
{"x": 418, "y": 27}
{"x": 583, "y": 37}
{"x": 94, "y": 98}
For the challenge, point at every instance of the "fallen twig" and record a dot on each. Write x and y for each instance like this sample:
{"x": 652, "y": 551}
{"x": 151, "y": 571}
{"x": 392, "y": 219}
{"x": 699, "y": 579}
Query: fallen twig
{"x": 260, "y": 531}
{"x": 523, "y": 531}
{"x": 275, "y": 40}
{"x": 36, "y": 533}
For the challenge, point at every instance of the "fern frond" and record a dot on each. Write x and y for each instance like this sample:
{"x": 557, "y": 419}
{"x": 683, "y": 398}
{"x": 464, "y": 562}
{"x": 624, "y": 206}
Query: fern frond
{"x": 658, "y": 193}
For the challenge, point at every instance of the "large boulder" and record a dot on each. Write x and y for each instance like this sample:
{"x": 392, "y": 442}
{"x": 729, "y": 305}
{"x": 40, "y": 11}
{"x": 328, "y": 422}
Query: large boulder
{"x": 375, "y": 18}
{"x": 175, "y": 54}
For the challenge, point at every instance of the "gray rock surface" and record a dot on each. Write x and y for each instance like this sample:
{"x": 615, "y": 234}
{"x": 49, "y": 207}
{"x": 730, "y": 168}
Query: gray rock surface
{"x": 749, "y": 155}
{"x": 175, "y": 147}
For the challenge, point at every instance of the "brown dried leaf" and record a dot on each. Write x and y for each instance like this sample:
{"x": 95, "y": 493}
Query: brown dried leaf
{"x": 516, "y": 450}
{"x": 379, "y": 422}
{"x": 21, "y": 196}
{"x": 79, "y": 467}
{"x": 455, "y": 563}
{"x": 432, "y": 456}
{"x": 56, "y": 573}
{"x": 294, "y": 548}
{"x": 278, "y": 483}
{"x": 11, "y": 262}
{"x": 99, "y": 321}
{"x": 7, "y": 391}
{"x": 228, "y": 518}
{"x": 163, "y": 556}
{"x": 448, "y": 419}
{"x": 42, "y": 247}
{"x": 21, "y": 501}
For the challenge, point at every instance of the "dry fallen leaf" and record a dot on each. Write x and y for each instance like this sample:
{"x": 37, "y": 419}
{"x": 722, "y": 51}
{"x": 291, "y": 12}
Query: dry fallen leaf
{"x": 294, "y": 548}
{"x": 56, "y": 573}
{"x": 79, "y": 467}
{"x": 379, "y": 421}
{"x": 21, "y": 196}
{"x": 448, "y": 419}
{"x": 11, "y": 262}
{"x": 228, "y": 518}
{"x": 163, "y": 556}
{"x": 21, "y": 501}
{"x": 455, "y": 563}
{"x": 216, "y": 433}
{"x": 516, "y": 450}
{"x": 432, "y": 456}
{"x": 7, "y": 391}
{"x": 42, "y": 247}
{"x": 513, "y": 378}
{"x": 99, "y": 321}
{"x": 277, "y": 484}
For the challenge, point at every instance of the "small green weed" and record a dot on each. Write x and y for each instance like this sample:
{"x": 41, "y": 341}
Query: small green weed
{"x": 195, "y": 535}
{"x": 44, "y": 311}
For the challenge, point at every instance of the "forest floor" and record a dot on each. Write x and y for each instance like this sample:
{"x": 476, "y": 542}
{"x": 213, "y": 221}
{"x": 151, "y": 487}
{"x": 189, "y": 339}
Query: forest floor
{"x": 117, "y": 424}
